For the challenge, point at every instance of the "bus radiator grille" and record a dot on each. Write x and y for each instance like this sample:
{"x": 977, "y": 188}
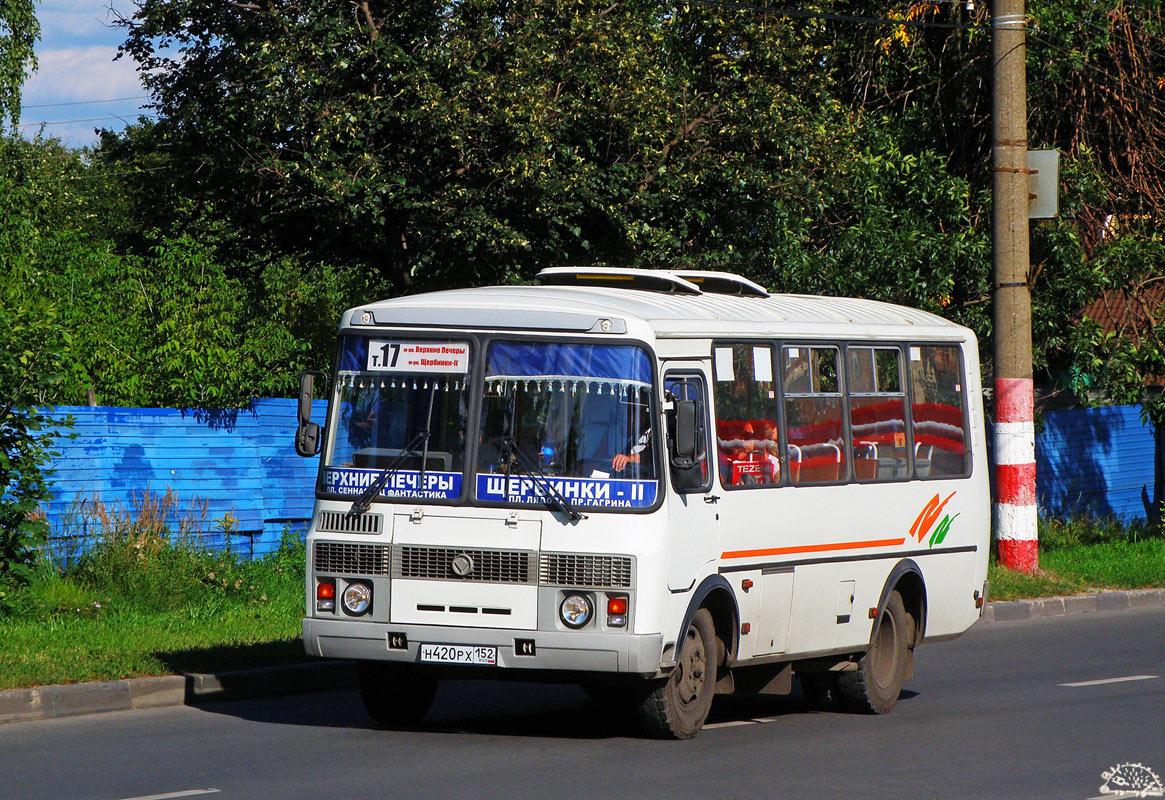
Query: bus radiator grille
{"x": 484, "y": 566}
{"x": 341, "y": 558}
{"x": 576, "y": 569}
{"x": 340, "y": 522}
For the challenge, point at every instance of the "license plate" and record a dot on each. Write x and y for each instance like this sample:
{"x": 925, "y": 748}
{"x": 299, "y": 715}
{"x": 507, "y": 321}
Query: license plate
{"x": 459, "y": 654}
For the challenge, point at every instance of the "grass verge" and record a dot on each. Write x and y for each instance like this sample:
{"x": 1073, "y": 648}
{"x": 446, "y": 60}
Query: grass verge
{"x": 1083, "y": 555}
{"x": 149, "y": 597}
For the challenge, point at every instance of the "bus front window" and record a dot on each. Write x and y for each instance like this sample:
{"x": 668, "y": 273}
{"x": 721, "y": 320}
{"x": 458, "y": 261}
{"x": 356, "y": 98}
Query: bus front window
{"x": 403, "y": 403}
{"x": 579, "y": 414}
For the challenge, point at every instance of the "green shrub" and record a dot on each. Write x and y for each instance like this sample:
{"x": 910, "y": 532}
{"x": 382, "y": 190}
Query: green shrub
{"x": 32, "y": 363}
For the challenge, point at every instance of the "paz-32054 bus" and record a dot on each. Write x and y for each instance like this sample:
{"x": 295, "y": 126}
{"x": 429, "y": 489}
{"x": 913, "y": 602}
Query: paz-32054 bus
{"x": 661, "y": 484}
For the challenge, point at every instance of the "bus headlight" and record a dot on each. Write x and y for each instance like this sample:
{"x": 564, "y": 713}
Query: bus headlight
{"x": 357, "y": 598}
{"x": 576, "y": 610}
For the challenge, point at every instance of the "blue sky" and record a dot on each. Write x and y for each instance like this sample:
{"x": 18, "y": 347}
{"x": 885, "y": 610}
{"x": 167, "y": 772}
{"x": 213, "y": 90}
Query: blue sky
{"x": 79, "y": 87}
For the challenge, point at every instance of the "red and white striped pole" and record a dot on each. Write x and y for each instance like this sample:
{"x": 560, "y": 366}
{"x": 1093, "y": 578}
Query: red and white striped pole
{"x": 1015, "y": 474}
{"x": 1015, "y": 442}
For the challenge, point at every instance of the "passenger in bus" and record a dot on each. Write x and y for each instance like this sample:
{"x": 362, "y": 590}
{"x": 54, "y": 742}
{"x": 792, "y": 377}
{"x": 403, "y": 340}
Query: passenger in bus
{"x": 769, "y": 452}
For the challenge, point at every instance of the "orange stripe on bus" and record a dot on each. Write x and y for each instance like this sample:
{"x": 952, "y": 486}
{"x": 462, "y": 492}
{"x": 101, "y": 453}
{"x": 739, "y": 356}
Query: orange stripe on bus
{"x": 812, "y": 548}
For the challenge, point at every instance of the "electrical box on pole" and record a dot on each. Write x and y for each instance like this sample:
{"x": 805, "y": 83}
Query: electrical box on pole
{"x": 1043, "y": 183}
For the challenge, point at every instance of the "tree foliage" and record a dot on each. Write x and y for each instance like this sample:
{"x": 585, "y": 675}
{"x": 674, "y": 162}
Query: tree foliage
{"x": 434, "y": 144}
{"x": 32, "y": 362}
{"x": 19, "y": 30}
{"x": 308, "y": 155}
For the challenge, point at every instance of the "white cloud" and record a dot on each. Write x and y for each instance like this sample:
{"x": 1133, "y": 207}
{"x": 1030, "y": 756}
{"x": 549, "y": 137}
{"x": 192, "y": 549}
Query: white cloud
{"x": 81, "y": 73}
{"x": 82, "y": 19}
{"x": 85, "y": 80}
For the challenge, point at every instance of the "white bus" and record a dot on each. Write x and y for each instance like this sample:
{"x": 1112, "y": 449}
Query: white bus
{"x": 660, "y": 484}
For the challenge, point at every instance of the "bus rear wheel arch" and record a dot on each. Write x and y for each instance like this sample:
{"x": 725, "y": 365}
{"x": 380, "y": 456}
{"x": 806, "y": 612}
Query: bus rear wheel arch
{"x": 874, "y": 686}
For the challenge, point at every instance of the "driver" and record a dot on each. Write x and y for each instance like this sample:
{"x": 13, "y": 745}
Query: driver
{"x": 634, "y": 454}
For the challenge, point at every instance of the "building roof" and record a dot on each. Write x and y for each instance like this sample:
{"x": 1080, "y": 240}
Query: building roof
{"x": 1128, "y": 310}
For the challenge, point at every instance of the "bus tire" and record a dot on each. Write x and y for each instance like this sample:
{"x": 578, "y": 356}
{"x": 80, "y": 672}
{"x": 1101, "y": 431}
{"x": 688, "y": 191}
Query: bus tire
{"x": 873, "y": 688}
{"x": 392, "y": 695}
{"x": 676, "y": 708}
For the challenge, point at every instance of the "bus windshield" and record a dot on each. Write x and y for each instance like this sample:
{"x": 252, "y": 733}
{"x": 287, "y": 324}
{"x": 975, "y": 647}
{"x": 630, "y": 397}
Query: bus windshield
{"x": 579, "y": 414}
{"x": 559, "y": 422}
{"x": 399, "y": 403}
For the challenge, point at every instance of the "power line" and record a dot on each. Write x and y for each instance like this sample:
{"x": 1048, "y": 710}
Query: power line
{"x": 72, "y": 121}
{"x": 88, "y": 102}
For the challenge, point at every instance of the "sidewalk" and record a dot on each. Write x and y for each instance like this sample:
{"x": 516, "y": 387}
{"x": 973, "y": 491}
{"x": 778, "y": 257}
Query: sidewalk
{"x": 51, "y": 702}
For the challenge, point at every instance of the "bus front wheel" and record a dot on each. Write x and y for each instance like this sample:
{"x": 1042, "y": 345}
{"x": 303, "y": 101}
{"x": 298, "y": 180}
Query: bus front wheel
{"x": 677, "y": 707}
{"x": 392, "y": 695}
{"x": 873, "y": 688}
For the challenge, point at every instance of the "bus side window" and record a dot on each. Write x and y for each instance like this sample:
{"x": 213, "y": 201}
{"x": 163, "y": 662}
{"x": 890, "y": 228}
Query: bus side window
{"x": 813, "y": 413}
{"x": 746, "y": 428}
{"x": 689, "y": 389}
{"x": 937, "y": 412}
{"x": 877, "y": 412}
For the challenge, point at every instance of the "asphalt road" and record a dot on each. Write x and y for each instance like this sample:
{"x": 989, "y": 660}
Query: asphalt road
{"x": 988, "y": 715}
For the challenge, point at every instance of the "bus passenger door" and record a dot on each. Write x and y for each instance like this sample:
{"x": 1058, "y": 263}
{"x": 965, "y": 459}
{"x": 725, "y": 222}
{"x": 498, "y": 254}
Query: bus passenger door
{"x": 694, "y": 520}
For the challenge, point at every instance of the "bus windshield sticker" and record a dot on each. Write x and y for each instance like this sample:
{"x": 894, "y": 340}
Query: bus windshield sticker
{"x": 418, "y": 357}
{"x": 438, "y": 485}
{"x": 586, "y": 492}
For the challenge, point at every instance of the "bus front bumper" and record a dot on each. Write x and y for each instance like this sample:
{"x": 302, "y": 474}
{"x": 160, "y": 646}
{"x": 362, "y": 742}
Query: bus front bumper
{"x": 565, "y": 651}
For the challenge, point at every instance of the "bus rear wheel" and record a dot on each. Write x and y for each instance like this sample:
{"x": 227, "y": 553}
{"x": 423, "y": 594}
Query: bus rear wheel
{"x": 873, "y": 688}
{"x": 394, "y": 695}
{"x": 677, "y": 707}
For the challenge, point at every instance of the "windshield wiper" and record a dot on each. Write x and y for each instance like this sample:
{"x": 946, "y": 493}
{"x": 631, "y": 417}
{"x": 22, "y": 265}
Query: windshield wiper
{"x": 510, "y": 453}
{"x": 364, "y": 501}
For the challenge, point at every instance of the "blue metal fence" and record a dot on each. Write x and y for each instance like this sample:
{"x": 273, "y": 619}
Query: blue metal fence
{"x": 1098, "y": 461}
{"x": 239, "y": 463}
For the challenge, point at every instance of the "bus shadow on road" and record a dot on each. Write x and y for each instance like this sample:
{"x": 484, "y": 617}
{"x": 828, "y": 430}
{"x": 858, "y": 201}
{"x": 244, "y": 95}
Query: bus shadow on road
{"x": 485, "y": 708}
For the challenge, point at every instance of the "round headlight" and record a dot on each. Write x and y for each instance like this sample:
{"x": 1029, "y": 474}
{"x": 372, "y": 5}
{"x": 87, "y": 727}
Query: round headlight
{"x": 576, "y": 610}
{"x": 357, "y": 598}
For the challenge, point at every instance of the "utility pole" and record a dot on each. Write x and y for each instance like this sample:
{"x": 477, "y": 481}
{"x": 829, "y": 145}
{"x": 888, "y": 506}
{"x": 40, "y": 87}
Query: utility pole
{"x": 1015, "y": 454}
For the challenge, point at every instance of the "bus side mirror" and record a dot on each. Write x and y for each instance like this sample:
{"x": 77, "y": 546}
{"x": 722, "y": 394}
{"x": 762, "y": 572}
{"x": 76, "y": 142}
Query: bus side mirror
{"x": 307, "y": 433}
{"x": 685, "y": 440}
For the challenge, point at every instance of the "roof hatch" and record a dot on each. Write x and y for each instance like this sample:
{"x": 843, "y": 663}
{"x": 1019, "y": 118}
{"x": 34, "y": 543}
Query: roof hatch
{"x": 676, "y": 281}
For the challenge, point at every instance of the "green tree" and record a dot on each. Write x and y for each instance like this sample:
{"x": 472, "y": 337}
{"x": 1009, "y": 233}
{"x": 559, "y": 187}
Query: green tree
{"x": 19, "y": 31}
{"x": 32, "y": 362}
{"x": 437, "y": 145}
{"x": 409, "y": 146}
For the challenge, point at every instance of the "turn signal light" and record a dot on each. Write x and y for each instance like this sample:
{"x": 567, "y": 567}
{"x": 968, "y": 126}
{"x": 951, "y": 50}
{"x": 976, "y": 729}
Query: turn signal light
{"x": 325, "y": 595}
{"x": 617, "y": 612}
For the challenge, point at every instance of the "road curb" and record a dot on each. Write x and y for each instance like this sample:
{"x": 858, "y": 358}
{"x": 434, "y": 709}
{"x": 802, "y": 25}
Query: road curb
{"x": 1074, "y": 604}
{"x": 52, "y": 702}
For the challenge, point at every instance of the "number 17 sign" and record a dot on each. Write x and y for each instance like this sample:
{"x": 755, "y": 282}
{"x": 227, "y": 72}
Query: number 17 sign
{"x": 413, "y": 357}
